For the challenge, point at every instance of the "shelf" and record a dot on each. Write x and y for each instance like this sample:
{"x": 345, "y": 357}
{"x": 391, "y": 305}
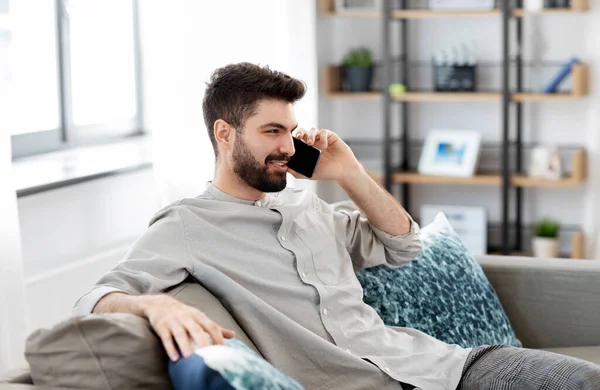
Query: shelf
{"x": 445, "y": 96}
{"x": 577, "y": 248}
{"x": 327, "y": 8}
{"x": 415, "y": 177}
{"x": 580, "y": 77}
{"x": 332, "y": 88}
{"x": 576, "y": 178}
{"x": 426, "y": 13}
{"x": 353, "y": 95}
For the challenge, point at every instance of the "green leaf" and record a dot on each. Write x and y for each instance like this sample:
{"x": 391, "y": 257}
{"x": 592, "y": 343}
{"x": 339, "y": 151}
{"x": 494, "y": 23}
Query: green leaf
{"x": 547, "y": 228}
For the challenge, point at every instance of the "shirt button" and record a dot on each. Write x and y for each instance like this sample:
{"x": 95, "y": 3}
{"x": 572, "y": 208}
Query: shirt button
{"x": 282, "y": 238}
{"x": 387, "y": 369}
{"x": 258, "y": 203}
{"x": 304, "y": 274}
{"x": 325, "y": 311}
{"x": 348, "y": 350}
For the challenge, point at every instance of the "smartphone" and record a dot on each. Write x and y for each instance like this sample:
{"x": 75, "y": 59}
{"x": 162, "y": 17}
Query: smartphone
{"x": 304, "y": 159}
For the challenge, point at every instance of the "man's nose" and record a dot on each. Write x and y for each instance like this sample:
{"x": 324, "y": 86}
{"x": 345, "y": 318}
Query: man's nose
{"x": 288, "y": 145}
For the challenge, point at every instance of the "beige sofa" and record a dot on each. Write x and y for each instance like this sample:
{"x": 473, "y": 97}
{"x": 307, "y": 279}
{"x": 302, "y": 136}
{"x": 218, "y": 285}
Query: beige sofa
{"x": 553, "y": 304}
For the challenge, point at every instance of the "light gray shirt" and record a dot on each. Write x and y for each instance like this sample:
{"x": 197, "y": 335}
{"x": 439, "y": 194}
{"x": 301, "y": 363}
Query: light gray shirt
{"x": 284, "y": 266}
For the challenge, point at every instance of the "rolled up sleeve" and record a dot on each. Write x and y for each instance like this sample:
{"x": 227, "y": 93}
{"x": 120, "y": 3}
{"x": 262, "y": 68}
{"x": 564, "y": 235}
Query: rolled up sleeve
{"x": 369, "y": 246}
{"x": 401, "y": 249}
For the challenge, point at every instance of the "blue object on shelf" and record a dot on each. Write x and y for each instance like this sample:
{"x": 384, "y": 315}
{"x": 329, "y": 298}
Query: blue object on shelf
{"x": 560, "y": 75}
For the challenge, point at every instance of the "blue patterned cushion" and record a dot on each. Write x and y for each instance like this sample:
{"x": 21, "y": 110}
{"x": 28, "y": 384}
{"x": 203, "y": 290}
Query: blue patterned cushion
{"x": 442, "y": 292}
{"x": 227, "y": 367}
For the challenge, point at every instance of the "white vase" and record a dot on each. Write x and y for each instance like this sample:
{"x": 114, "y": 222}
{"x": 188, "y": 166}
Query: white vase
{"x": 533, "y": 5}
{"x": 545, "y": 247}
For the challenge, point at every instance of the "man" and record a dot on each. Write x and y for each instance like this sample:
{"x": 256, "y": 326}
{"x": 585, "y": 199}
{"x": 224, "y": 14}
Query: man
{"x": 283, "y": 261}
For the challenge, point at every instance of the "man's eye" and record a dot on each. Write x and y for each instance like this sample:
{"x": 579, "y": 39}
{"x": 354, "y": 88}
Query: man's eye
{"x": 274, "y": 131}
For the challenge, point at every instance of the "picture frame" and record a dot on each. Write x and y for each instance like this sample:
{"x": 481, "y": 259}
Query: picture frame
{"x": 450, "y": 153}
{"x": 469, "y": 223}
{"x": 357, "y": 5}
{"x": 545, "y": 163}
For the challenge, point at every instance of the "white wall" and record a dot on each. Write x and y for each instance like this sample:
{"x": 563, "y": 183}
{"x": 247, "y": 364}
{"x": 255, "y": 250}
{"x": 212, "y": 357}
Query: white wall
{"x": 573, "y": 122}
{"x": 13, "y": 324}
{"x": 13, "y": 316}
{"x": 73, "y": 235}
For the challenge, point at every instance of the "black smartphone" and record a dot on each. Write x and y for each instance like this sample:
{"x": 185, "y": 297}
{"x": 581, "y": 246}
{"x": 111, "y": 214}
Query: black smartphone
{"x": 304, "y": 159}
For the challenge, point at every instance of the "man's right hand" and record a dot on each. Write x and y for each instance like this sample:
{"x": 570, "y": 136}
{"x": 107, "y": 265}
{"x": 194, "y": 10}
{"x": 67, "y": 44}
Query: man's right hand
{"x": 175, "y": 321}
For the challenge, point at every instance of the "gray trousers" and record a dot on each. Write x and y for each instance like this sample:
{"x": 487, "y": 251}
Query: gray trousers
{"x": 501, "y": 367}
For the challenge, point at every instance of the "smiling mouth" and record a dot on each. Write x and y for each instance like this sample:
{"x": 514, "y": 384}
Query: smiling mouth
{"x": 279, "y": 165}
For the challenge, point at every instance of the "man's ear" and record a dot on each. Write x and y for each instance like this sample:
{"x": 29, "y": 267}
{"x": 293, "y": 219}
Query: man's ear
{"x": 223, "y": 133}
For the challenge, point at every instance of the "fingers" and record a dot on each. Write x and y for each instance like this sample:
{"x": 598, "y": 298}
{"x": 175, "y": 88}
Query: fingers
{"x": 313, "y": 137}
{"x": 182, "y": 339}
{"x": 228, "y": 333}
{"x": 197, "y": 334}
{"x": 167, "y": 340}
{"x": 210, "y": 327}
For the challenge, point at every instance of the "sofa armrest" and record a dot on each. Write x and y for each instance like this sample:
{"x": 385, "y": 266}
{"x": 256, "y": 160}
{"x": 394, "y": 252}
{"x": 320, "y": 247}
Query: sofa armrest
{"x": 551, "y": 303}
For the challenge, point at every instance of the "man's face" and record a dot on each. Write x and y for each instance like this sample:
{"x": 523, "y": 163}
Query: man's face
{"x": 261, "y": 151}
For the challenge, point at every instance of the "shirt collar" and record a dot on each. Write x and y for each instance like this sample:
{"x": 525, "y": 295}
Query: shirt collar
{"x": 216, "y": 193}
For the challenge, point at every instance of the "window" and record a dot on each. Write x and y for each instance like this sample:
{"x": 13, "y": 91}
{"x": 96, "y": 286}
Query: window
{"x": 75, "y": 73}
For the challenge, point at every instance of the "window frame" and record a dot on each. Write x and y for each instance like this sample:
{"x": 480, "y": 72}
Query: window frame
{"x": 68, "y": 136}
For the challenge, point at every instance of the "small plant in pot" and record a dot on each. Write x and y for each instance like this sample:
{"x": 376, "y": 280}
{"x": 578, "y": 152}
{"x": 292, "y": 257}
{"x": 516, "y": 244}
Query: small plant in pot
{"x": 545, "y": 243}
{"x": 358, "y": 69}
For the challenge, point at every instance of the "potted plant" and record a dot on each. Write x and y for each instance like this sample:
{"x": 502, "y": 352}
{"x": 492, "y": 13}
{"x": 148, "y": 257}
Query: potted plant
{"x": 358, "y": 69}
{"x": 545, "y": 243}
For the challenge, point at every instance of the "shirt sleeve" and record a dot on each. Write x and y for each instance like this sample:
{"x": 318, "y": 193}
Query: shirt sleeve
{"x": 158, "y": 260}
{"x": 369, "y": 246}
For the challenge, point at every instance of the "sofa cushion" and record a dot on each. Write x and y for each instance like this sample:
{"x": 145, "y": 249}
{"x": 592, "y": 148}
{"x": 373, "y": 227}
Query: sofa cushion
{"x": 192, "y": 293}
{"x": 442, "y": 292}
{"x": 590, "y": 354}
{"x": 228, "y": 367}
{"x": 108, "y": 351}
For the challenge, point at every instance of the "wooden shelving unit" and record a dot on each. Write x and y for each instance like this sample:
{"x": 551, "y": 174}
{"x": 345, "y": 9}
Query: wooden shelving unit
{"x": 333, "y": 88}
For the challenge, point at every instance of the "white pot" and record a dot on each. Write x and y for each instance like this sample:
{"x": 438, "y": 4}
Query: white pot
{"x": 533, "y": 5}
{"x": 545, "y": 247}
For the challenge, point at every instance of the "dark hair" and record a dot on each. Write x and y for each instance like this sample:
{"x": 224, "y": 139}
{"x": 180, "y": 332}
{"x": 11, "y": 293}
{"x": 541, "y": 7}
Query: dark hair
{"x": 234, "y": 91}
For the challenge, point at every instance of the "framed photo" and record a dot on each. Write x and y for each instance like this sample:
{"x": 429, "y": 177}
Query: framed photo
{"x": 545, "y": 163}
{"x": 450, "y": 153}
{"x": 357, "y": 5}
{"x": 469, "y": 223}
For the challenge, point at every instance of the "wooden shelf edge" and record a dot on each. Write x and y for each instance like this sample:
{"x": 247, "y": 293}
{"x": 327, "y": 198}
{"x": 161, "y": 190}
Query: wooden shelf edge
{"x": 445, "y": 96}
{"x": 577, "y": 177}
{"x": 425, "y": 13}
{"x": 353, "y": 95}
{"x": 414, "y": 177}
{"x": 331, "y": 83}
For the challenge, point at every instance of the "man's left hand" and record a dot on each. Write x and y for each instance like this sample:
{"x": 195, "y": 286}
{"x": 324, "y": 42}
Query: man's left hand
{"x": 337, "y": 161}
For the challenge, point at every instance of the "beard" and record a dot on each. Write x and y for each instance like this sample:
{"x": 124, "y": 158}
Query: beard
{"x": 255, "y": 174}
